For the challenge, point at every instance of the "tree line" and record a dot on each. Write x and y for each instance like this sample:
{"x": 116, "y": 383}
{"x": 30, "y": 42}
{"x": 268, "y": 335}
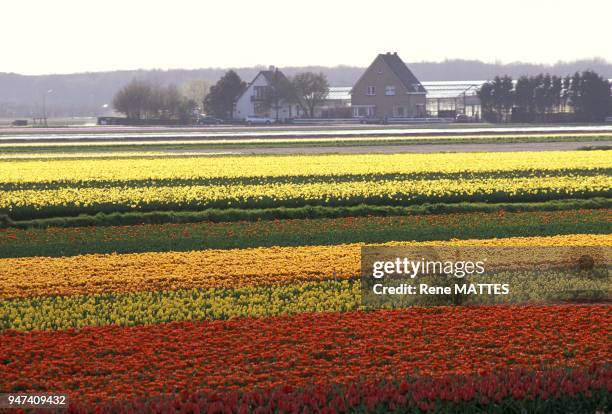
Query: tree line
{"x": 143, "y": 100}
{"x": 585, "y": 97}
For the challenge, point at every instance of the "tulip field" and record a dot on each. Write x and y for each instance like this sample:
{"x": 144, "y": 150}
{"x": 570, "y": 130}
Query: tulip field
{"x": 231, "y": 284}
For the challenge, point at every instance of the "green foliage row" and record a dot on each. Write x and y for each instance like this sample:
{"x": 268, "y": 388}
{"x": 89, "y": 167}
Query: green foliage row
{"x": 266, "y": 204}
{"x": 308, "y": 211}
{"x": 186, "y": 236}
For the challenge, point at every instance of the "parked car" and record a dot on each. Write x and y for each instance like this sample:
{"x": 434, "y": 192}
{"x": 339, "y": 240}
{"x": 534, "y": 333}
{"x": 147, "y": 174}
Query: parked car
{"x": 370, "y": 120}
{"x": 209, "y": 120}
{"x": 260, "y": 120}
{"x": 464, "y": 118}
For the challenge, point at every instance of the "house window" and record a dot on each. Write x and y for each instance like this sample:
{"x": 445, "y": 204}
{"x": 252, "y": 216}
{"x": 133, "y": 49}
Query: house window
{"x": 260, "y": 92}
{"x": 390, "y": 91}
{"x": 371, "y": 91}
{"x": 363, "y": 111}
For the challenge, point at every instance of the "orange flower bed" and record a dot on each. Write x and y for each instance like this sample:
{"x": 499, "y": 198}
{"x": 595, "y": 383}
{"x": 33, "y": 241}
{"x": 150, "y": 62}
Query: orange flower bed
{"x": 136, "y": 272}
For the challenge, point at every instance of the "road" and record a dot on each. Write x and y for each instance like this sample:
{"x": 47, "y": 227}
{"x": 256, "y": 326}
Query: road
{"x": 145, "y": 134}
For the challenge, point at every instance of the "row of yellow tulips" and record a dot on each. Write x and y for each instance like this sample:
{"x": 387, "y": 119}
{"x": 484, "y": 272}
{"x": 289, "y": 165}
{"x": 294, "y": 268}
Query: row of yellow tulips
{"x": 76, "y": 311}
{"x": 58, "y": 171}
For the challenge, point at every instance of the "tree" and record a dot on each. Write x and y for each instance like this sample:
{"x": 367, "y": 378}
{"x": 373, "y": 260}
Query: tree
{"x": 220, "y": 100}
{"x": 485, "y": 94}
{"x": 502, "y": 97}
{"x": 574, "y": 92}
{"x": 539, "y": 98}
{"x": 175, "y": 105}
{"x": 311, "y": 89}
{"x": 524, "y": 92}
{"x": 196, "y": 90}
{"x": 280, "y": 90}
{"x": 565, "y": 94}
{"x": 134, "y": 100}
{"x": 141, "y": 100}
{"x": 556, "y": 93}
{"x": 594, "y": 97}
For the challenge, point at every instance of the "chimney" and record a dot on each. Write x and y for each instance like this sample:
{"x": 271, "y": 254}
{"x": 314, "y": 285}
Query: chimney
{"x": 271, "y": 68}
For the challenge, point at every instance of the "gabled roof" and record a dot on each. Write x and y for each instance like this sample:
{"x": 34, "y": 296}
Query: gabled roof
{"x": 400, "y": 69}
{"x": 268, "y": 75}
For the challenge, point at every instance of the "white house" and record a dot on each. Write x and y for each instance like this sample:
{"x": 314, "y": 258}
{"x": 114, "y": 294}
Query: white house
{"x": 255, "y": 101}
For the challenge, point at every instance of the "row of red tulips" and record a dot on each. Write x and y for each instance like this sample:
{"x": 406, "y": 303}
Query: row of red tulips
{"x": 102, "y": 363}
{"x": 585, "y": 389}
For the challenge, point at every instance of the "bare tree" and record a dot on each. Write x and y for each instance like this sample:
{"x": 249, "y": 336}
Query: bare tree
{"x": 134, "y": 99}
{"x": 311, "y": 89}
{"x": 143, "y": 100}
{"x": 196, "y": 90}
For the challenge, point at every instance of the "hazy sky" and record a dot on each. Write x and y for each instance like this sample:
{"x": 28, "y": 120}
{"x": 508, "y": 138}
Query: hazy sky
{"x": 63, "y": 36}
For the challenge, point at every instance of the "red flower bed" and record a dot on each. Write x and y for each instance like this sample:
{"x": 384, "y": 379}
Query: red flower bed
{"x": 555, "y": 390}
{"x": 308, "y": 349}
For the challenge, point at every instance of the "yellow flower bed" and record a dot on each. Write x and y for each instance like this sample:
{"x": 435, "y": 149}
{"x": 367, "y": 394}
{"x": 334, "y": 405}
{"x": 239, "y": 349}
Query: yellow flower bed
{"x": 267, "y": 195}
{"x": 43, "y": 171}
{"x": 193, "y": 304}
{"x": 100, "y": 273}
{"x": 136, "y": 308}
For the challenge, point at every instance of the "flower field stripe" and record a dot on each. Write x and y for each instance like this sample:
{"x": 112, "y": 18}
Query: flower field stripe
{"x": 99, "y": 273}
{"x": 306, "y": 349}
{"x": 70, "y": 241}
{"x": 138, "y": 308}
{"x": 101, "y": 219}
{"x": 65, "y": 171}
{"x": 77, "y": 311}
{"x": 23, "y": 204}
{"x": 319, "y": 179}
{"x": 559, "y": 389}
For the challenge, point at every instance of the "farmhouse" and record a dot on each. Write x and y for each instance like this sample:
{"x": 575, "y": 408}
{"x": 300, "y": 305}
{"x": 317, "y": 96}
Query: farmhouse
{"x": 258, "y": 100}
{"x": 388, "y": 89}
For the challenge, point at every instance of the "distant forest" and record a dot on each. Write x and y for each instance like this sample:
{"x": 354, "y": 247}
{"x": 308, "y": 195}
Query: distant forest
{"x": 91, "y": 94}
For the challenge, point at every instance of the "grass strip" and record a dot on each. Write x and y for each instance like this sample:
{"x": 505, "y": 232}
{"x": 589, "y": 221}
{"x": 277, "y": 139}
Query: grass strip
{"x": 280, "y": 143}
